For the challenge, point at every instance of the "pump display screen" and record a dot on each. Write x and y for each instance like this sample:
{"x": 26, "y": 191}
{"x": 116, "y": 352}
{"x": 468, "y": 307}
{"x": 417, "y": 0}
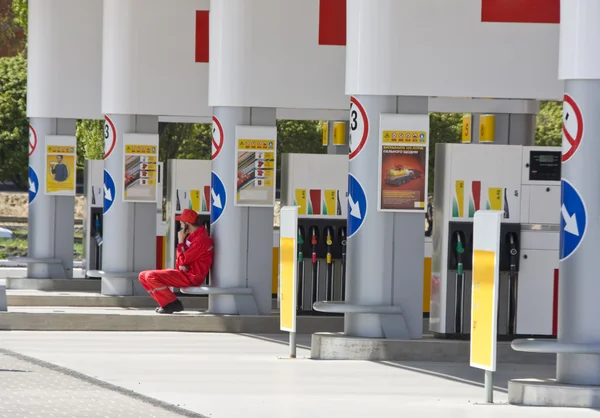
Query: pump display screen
{"x": 544, "y": 165}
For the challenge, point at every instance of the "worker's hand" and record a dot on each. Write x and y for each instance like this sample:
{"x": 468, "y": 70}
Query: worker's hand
{"x": 181, "y": 236}
{"x": 183, "y": 268}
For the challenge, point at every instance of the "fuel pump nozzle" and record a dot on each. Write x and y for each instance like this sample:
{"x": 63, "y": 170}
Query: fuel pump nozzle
{"x": 300, "y": 301}
{"x": 315, "y": 265}
{"x": 513, "y": 250}
{"x": 342, "y": 237}
{"x": 460, "y": 279}
{"x": 329, "y": 283}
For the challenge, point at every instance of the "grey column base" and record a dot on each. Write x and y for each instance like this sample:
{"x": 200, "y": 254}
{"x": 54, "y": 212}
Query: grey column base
{"x": 116, "y": 287}
{"x": 337, "y": 346}
{"x": 535, "y": 392}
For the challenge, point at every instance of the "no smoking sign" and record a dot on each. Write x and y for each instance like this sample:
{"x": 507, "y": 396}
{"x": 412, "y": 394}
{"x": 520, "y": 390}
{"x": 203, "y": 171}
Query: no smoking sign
{"x": 359, "y": 127}
{"x": 572, "y": 128}
{"x": 217, "y": 138}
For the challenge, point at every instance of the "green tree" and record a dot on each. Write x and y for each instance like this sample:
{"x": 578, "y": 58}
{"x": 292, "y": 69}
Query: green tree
{"x": 12, "y": 40}
{"x": 184, "y": 141}
{"x": 14, "y": 125}
{"x": 443, "y": 128}
{"x": 300, "y": 137}
{"x": 549, "y": 124}
{"x": 20, "y": 9}
{"x": 90, "y": 140}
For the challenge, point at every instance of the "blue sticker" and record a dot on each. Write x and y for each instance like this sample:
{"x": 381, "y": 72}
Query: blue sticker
{"x": 573, "y": 222}
{"x": 34, "y": 184}
{"x": 218, "y": 198}
{"x": 109, "y": 191}
{"x": 357, "y": 205}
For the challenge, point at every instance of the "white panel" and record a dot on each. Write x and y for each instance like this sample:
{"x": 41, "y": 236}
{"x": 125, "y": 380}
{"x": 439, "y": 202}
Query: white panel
{"x": 536, "y": 291}
{"x": 319, "y": 172}
{"x": 149, "y": 63}
{"x": 544, "y": 204}
{"x": 428, "y": 247}
{"x": 539, "y": 240}
{"x": 441, "y": 48}
{"x": 579, "y": 34}
{"x": 64, "y": 59}
{"x": 265, "y": 53}
{"x": 493, "y": 166}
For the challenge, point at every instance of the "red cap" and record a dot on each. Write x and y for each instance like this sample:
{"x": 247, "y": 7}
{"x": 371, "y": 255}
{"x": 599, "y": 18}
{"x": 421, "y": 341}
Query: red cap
{"x": 188, "y": 216}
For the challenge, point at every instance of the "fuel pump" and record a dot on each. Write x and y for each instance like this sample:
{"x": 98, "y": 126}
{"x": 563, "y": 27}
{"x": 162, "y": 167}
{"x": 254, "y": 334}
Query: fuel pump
{"x": 512, "y": 283}
{"x": 301, "y": 284}
{"x": 329, "y": 257}
{"x": 314, "y": 232}
{"x": 460, "y": 282}
{"x": 342, "y": 238}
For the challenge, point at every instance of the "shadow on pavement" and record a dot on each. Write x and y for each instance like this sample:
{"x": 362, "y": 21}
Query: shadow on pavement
{"x": 302, "y": 340}
{"x": 463, "y": 373}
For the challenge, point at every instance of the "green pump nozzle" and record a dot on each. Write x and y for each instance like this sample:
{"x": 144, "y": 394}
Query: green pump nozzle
{"x": 300, "y": 253}
{"x": 460, "y": 250}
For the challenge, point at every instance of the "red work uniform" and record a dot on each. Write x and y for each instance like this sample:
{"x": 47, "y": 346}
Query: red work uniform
{"x": 196, "y": 254}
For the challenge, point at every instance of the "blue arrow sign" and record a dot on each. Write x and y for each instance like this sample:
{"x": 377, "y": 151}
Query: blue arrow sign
{"x": 218, "y": 198}
{"x": 573, "y": 223}
{"x": 357, "y": 205}
{"x": 34, "y": 184}
{"x": 109, "y": 191}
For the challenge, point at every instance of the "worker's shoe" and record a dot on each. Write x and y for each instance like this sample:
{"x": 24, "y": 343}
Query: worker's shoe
{"x": 172, "y": 307}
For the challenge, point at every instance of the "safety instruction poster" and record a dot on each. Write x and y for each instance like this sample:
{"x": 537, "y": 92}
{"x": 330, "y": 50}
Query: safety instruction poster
{"x": 403, "y": 163}
{"x": 196, "y": 200}
{"x": 140, "y": 177}
{"x": 61, "y": 159}
{"x": 256, "y": 162}
{"x": 317, "y": 202}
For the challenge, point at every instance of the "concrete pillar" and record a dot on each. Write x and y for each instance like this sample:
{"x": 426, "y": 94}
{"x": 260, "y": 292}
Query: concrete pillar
{"x": 578, "y": 308}
{"x": 510, "y": 129}
{"x": 129, "y": 229}
{"x": 243, "y": 237}
{"x": 51, "y": 218}
{"x": 385, "y": 255}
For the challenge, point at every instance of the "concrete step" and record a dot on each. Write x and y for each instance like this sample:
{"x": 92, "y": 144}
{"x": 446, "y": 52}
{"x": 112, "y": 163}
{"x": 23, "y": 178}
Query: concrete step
{"x": 60, "y": 285}
{"x": 64, "y": 318}
{"x": 41, "y": 298}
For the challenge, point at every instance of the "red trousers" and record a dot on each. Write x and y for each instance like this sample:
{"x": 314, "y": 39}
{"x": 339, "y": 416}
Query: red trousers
{"x": 158, "y": 283}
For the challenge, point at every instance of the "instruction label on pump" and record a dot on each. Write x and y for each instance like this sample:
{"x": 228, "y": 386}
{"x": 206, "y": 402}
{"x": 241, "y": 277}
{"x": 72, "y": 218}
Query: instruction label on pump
{"x": 300, "y": 201}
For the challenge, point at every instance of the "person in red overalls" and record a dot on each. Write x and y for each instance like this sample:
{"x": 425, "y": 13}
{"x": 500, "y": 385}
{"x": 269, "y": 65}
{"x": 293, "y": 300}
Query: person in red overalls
{"x": 194, "y": 259}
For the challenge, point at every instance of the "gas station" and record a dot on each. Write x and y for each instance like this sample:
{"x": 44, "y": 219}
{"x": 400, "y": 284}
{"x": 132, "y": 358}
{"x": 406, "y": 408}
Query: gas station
{"x": 374, "y": 69}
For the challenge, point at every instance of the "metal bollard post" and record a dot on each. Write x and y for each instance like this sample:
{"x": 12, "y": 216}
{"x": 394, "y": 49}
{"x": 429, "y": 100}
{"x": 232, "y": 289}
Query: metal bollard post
{"x": 3, "y": 300}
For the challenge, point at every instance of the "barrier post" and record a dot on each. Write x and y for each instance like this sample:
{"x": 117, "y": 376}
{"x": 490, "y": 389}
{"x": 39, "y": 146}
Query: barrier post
{"x": 288, "y": 270}
{"x": 484, "y": 302}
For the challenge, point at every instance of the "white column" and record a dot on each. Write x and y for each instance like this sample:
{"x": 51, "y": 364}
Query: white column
{"x": 51, "y": 218}
{"x": 578, "y": 308}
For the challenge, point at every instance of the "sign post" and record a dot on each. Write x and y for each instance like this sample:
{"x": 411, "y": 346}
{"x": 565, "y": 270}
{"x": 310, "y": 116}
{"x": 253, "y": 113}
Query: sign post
{"x": 484, "y": 302}
{"x": 288, "y": 268}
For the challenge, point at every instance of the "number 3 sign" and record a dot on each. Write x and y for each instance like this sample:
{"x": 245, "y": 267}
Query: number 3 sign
{"x": 359, "y": 127}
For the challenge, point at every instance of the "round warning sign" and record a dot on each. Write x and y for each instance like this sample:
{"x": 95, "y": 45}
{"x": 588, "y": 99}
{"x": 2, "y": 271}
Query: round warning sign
{"x": 110, "y": 137}
{"x": 572, "y": 128}
{"x": 359, "y": 127}
{"x": 217, "y": 138}
{"x": 33, "y": 140}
